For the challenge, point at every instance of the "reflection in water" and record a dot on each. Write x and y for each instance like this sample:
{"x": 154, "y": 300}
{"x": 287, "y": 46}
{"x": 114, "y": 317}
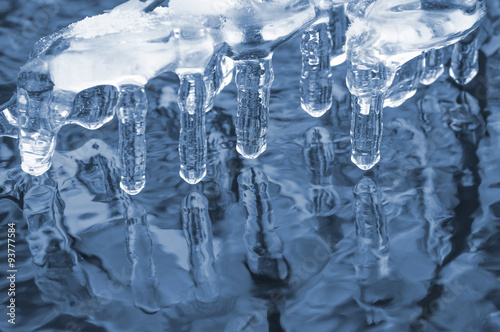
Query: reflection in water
{"x": 144, "y": 280}
{"x": 57, "y": 273}
{"x": 98, "y": 172}
{"x": 377, "y": 283}
{"x": 265, "y": 250}
{"x": 372, "y": 259}
{"x": 223, "y": 163}
{"x": 198, "y": 233}
{"x": 319, "y": 155}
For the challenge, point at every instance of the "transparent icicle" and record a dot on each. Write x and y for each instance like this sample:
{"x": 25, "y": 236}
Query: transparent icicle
{"x": 144, "y": 280}
{"x": 132, "y": 109}
{"x": 253, "y": 79}
{"x": 434, "y": 66}
{"x": 371, "y": 258}
{"x": 37, "y": 138}
{"x": 464, "y": 59}
{"x": 198, "y": 233}
{"x": 366, "y": 130}
{"x": 264, "y": 247}
{"x": 316, "y": 81}
{"x": 94, "y": 107}
{"x": 338, "y": 28}
{"x": 8, "y": 121}
{"x": 405, "y": 83}
{"x": 218, "y": 75}
{"x": 192, "y": 140}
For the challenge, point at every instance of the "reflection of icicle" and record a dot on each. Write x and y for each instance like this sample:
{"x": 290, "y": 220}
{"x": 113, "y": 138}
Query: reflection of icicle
{"x": 253, "y": 79}
{"x": 192, "y": 139}
{"x": 379, "y": 288}
{"x": 223, "y": 164}
{"x": 198, "y": 233}
{"x": 434, "y": 66}
{"x": 57, "y": 272}
{"x": 144, "y": 280}
{"x": 316, "y": 80}
{"x": 464, "y": 59}
{"x": 371, "y": 230}
{"x": 438, "y": 240}
{"x": 132, "y": 111}
{"x": 319, "y": 155}
{"x": 366, "y": 131}
{"x": 264, "y": 247}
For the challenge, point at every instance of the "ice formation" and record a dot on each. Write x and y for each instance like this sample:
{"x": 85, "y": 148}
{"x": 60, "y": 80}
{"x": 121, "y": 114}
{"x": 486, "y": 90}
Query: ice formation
{"x": 98, "y": 67}
{"x": 381, "y": 57}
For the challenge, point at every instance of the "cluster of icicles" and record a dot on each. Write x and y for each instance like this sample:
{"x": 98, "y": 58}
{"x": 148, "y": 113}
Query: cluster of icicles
{"x": 390, "y": 46}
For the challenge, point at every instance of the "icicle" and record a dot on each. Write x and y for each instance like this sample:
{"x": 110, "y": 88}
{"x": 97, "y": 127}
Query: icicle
{"x": 253, "y": 79}
{"x": 37, "y": 140}
{"x": 338, "y": 27}
{"x": 264, "y": 247}
{"x": 192, "y": 140}
{"x": 94, "y": 107}
{"x": 132, "y": 109}
{"x": 144, "y": 280}
{"x": 198, "y": 233}
{"x": 434, "y": 66}
{"x": 405, "y": 82}
{"x": 8, "y": 121}
{"x": 366, "y": 131}
{"x": 316, "y": 80}
{"x": 464, "y": 59}
{"x": 218, "y": 74}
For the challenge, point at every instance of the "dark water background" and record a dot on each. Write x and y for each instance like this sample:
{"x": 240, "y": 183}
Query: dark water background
{"x": 436, "y": 192}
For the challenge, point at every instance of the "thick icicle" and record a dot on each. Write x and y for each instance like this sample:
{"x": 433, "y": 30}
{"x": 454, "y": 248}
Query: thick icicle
{"x": 464, "y": 59}
{"x": 264, "y": 248}
{"x": 198, "y": 233}
{"x": 366, "y": 131}
{"x": 434, "y": 66}
{"x": 338, "y": 28}
{"x": 405, "y": 82}
{"x": 144, "y": 280}
{"x": 253, "y": 79}
{"x": 192, "y": 140}
{"x": 371, "y": 231}
{"x": 133, "y": 106}
{"x": 316, "y": 81}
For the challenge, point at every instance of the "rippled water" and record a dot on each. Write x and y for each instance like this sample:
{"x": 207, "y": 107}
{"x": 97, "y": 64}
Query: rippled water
{"x": 412, "y": 245}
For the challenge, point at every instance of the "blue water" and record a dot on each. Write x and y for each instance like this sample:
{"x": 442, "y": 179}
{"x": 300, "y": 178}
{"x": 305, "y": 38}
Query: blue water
{"x": 412, "y": 245}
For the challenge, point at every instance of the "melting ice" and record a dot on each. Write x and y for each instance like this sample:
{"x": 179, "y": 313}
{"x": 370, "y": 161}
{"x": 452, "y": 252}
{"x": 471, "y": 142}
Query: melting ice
{"x": 98, "y": 67}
